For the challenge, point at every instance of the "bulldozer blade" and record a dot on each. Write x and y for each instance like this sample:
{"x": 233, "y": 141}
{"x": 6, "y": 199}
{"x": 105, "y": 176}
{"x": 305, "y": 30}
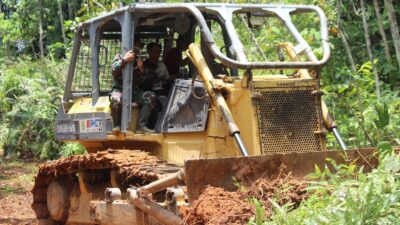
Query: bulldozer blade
{"x": 227, "y": 172}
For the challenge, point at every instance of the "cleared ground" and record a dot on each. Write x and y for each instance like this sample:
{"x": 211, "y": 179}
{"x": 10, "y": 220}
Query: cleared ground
{"x": 214, "y": 206}
{"x": 16, "y": 181}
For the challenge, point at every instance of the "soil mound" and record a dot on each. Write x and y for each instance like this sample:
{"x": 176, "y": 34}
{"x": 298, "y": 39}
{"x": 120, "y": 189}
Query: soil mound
{"x": 218, "y": 206}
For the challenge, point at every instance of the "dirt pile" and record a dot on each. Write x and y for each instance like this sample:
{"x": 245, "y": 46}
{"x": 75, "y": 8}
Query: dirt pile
{"x": 218, "y": 206}
{"x": 283, "y": 190}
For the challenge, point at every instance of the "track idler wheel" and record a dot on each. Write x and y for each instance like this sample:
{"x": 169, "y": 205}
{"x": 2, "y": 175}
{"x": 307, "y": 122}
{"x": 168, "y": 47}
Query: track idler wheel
{"x": 58, "y": 201}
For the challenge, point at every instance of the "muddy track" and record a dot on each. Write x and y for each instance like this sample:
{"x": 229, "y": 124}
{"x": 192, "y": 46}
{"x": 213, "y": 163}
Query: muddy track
{"x": 129, "y": 164}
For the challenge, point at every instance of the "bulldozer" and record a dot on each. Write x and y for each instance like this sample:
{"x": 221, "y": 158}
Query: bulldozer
{"x": 227, "y": 114}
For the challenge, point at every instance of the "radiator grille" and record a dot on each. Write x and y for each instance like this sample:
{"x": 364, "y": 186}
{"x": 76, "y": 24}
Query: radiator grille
{"x": 288, "y": 120}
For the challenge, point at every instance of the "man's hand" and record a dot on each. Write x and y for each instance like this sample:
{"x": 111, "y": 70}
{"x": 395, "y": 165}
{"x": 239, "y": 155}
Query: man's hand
{"x": 129, "y": 56}
{"x": 140, "y": 65}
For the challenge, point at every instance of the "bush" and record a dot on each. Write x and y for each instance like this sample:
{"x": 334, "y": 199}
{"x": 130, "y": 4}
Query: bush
{"x": 29, "y": 99}
{"x": 72, "y": 148}
{"x": 349, "y": 197}
{"x": 362, "y": 120}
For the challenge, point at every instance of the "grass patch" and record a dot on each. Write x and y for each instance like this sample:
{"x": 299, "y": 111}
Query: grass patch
{"x": 9, "y": 190}
{"x": 11, "y": 168}
{"x": 16, "y": 176}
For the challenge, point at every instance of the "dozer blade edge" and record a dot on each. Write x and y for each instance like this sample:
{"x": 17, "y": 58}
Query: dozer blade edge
{"x": 227, "y": 172}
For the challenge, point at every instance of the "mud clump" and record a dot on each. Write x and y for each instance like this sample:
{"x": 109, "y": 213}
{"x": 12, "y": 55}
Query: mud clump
{"x": 218, "y": 206}
{"x": 128, "y": 163}
{"x": 283, "y": 190}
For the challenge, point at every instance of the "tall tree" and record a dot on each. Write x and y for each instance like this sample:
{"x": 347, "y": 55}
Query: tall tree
{"x": 343, "y": 38}
{"x": 368, "y": 42}
{"x": 60, "y": 12}
{"x": 394, "y": 28}
{"x": 41, "y": 30}
{"x": 88, "y": 7}
{"x": 343, "y": 35}
{"x": 70, "y": 16}
{"x": 382, "y": 31}
{"x": 253, "y": 38}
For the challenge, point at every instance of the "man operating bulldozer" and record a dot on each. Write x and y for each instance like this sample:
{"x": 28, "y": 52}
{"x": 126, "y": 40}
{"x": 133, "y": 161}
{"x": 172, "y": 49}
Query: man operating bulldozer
{"x": 149, "y": 77}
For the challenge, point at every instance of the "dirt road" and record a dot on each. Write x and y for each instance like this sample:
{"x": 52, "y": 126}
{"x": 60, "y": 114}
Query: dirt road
{"x": 16, "y": 181}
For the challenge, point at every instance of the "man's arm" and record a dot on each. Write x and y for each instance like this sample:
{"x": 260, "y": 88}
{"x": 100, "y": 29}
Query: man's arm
{"x": 163, "y": 71}
{"x": 119, "y": 63}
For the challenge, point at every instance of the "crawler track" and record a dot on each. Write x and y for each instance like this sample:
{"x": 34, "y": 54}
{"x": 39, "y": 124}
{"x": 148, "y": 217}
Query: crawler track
{"x": 129, "y": 164}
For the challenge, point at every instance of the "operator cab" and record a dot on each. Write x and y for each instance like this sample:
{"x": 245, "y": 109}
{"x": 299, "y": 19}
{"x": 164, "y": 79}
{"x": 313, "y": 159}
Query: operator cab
{"x": 217, "y": 28}
{"x": 181, "y": 112}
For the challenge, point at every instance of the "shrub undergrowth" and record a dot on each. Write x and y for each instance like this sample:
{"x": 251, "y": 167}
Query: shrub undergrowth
{"x": 362, "y": 119}
{"x": 348, "y": 196}
{"x": 30, "y": 93}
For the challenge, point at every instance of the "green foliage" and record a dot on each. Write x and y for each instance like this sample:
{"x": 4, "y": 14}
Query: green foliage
{"x": 72, "y": 148}
{"x": 259, "y": 218}
{"x": 7, "y": 190}
{"x": 57, "y": 50}
{"x": 16, "y": 176}
{"x": 349, "y": 197}
{"x": 31, "y": 93}
{"x": 363, "y": 121}
{"x": 23, "y": 25}
{"x": 385, "y": 147}
{"x": 383, "y": 115}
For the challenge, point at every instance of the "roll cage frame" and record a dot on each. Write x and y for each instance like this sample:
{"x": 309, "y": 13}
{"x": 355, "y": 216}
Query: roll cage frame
{"x": 129, "y": 16}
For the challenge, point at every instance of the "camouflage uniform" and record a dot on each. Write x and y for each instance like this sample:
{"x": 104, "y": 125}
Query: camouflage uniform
{"x": 139, "y": 96}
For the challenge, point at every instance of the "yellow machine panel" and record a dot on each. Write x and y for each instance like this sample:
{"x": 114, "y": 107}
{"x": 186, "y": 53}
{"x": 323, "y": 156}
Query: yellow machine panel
{"x": 84, "y": 105}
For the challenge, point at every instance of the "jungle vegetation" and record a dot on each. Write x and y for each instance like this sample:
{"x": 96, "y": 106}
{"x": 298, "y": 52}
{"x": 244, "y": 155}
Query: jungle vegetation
{"x": 361, "y": 85}
{"x": 361, "y": 81}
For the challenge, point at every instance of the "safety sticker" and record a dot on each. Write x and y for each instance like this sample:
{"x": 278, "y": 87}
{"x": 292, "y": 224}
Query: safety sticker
{"x": 91, "y": 125}
{"x": 66, "y": 128}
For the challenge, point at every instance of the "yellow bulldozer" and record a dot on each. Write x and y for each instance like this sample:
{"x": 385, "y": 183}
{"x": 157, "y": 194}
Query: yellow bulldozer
{"x": 227, "y": 115}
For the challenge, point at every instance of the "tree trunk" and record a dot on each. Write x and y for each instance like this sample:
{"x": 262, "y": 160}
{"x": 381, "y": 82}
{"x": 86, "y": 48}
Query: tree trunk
{"x": 88, "y": 7}
{"x": 62, "y": 22}
{"x": 394, "y": 28}
{"x": 382, "y": 31}
{"x": 253, "y": 38}
{"x": 343, "y": 36}
{"x": 70, "y": 15}
{"x": 347, "y": 48}
{"x": 41, "y": 31}
{"x": 98, "y": 4}
{"x": 368, "y": 42}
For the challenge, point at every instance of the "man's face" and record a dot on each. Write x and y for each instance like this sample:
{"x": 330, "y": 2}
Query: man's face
{"x": 138, "y": 46}
{"x": 154, "y": 53}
